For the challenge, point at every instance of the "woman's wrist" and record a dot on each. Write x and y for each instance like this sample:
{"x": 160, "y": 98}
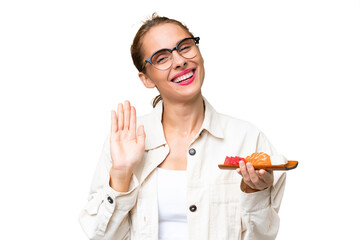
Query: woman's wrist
{"x": 120, "y": 179}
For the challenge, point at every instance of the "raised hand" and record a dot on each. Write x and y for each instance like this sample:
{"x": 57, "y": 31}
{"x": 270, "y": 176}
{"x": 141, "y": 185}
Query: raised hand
{"x": 126, "y": 146}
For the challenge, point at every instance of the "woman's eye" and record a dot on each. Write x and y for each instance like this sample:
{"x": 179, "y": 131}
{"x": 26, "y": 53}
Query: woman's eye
{"x": 161, "y": 59}
{"x": 185, "y": 48}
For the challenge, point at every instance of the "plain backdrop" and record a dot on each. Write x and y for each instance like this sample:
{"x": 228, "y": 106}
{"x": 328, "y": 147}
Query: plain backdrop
{"x": 292, "y": 68}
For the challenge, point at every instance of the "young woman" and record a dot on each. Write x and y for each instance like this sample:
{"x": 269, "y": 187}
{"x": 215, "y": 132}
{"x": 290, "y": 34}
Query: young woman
{"x": 166, "y": 184}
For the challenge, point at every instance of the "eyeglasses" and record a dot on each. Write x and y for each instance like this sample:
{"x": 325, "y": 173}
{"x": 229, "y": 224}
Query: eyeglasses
{"x": 163, "y": 58}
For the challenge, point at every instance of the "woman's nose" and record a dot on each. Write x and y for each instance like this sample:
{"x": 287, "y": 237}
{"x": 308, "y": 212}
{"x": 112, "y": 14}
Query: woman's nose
{"x": 178, "y": 60}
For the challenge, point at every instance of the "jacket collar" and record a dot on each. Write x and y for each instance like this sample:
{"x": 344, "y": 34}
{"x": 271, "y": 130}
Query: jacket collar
{"x": 154, "y": 130}
{"x": 212, "y": 121}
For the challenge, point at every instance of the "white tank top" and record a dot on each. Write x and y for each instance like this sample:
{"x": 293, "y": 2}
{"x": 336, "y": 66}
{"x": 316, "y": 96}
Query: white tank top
{"x": 172, "y": 207}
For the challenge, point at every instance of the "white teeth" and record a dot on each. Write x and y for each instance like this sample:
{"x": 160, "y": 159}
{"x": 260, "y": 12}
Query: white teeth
{"x": 183, "y": 77}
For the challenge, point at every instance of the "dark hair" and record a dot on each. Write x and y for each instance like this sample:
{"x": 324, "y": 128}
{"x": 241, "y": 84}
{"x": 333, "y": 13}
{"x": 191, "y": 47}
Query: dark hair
{"x": 136, "y": 47}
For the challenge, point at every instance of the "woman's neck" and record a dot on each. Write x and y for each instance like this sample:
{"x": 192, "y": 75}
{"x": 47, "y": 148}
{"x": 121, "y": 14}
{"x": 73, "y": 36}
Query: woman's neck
{"x": 185, "y": 118}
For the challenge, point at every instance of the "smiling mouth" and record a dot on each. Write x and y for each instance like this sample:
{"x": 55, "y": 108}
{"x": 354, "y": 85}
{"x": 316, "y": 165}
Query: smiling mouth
{"x": 184, "y": 77}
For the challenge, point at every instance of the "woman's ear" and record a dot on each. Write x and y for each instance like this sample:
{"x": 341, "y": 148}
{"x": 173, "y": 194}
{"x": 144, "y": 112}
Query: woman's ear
{"x": 146, "y": 80}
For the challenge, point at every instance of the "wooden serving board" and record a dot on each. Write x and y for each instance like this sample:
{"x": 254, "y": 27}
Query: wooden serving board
{"x": 290, "y": 165}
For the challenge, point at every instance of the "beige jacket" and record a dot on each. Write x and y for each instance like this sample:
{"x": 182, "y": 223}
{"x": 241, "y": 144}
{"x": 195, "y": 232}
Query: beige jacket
{"x": 218, "y": 209}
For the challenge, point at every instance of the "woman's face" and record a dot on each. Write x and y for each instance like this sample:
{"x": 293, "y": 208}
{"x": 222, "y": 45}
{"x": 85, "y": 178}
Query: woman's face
{"x": 170, "y": 82}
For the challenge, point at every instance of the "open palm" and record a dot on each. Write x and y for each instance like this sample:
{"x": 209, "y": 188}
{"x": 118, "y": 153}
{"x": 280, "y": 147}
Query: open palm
{"x": 126, "y": 146}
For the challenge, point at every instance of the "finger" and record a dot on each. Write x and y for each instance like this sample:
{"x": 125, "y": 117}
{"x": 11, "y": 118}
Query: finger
{"x": 243, "y": 169}
{"x": 238, "y": 170}
{"x": 127, "y": 115}
{"x": 241, "y": 164}
{"x": 245, "y": 174}
{"x": 113, "y": 122}
{"x": 120, "y": 116}
{"x": 141, "y": 135}
{"x": 132, "y": 123}
{"x": 252, "y": 173}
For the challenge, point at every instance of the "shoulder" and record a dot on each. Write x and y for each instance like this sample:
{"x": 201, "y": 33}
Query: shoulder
{"x": 234, "y": 125}
{"x": 224, "y": 125}
{"x": 151, "y": 117}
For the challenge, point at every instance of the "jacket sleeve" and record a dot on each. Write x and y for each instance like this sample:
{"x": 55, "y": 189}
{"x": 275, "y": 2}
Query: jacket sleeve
{"x": 106, "y": 215}
{"x": 260, "y": 219}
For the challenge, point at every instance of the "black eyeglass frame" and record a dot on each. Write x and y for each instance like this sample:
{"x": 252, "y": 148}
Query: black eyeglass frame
{"x": 196, "y": 39}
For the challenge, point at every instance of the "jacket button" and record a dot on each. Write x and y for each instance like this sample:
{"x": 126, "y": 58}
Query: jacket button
{"x": 192, "y": 151}
{"x": 192, "y": 208}
{"x": 110, "y": 200}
